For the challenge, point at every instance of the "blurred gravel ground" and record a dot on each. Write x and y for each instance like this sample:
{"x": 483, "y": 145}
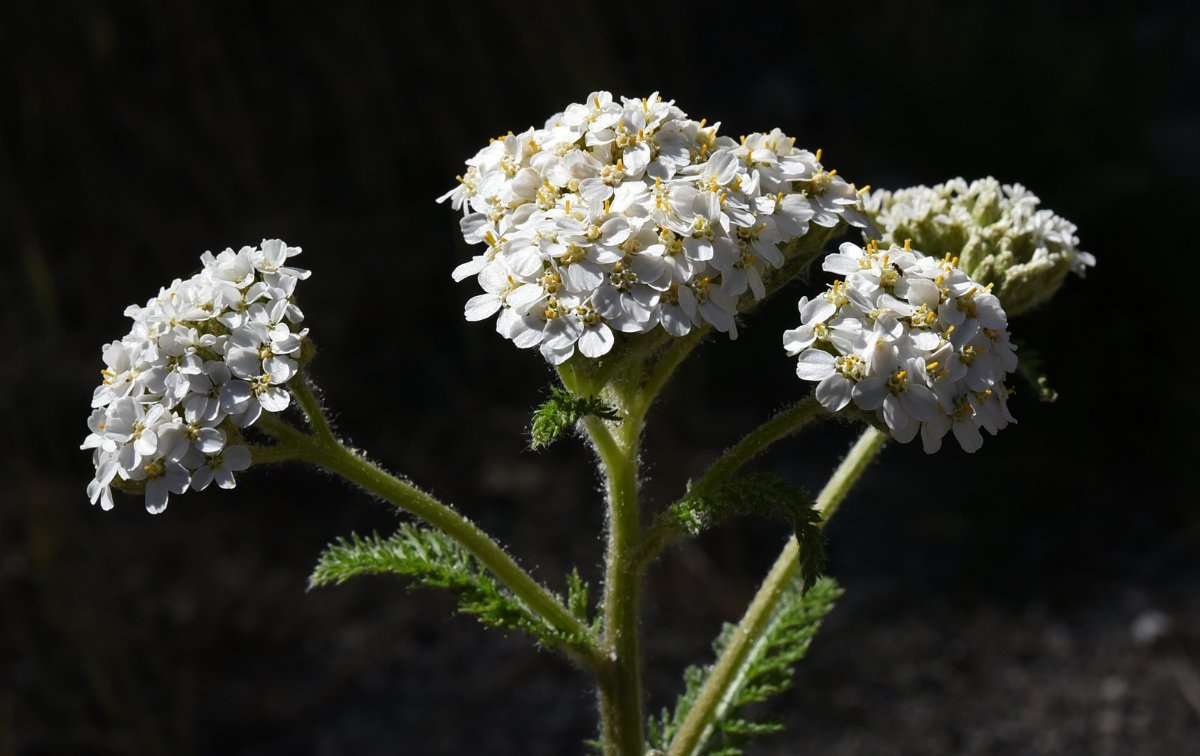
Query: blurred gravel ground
{"x": 1036, "y": 598}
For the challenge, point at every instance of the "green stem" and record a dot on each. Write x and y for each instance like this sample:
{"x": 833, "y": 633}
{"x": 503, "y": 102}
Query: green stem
{"x": 721, "y": 685}
{"x": 620, "y": 683}
{"x": 787, "y": 421}
{"x": 849, "y": 471}
{"x": 302, "y": 389}
{"x": 327, "y": 452}
{"x": 782, "y": 424}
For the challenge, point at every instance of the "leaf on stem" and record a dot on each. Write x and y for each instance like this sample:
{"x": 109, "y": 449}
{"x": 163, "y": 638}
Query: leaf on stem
{"x": 759, "y": 494}
{"x": 766, "y": 672}
{"x": 561, "y": 411}
{"x": 432, "y": 558}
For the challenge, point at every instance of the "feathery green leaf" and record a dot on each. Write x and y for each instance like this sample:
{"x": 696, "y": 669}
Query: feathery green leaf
{"x": 561, "y": 411}
{"x": 767, "y": 671}
{"x": 759, "y": 494}
{"x": 431, "y": 558}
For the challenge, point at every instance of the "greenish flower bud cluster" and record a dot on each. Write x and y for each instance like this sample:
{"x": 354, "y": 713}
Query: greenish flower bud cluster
{"x": 997, "y": 232}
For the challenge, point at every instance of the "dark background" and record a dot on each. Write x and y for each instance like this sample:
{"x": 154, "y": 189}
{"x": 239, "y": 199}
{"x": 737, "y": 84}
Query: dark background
{"x": 1037, "y": 597}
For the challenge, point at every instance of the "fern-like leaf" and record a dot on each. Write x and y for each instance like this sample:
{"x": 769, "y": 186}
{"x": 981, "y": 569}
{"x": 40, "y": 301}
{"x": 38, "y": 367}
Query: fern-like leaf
{"x": 759, "y": 494}
{"x": 766, "y": 672}
{"x": 561, "y": 412}
{"x": 431, "y": 558}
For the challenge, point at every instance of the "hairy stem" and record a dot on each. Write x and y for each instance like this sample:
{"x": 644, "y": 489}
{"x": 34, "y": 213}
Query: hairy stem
{"x": 782, "y": 424}
{"x": 327, "y": 452}
{"x": 620, "y": 683}
{"x": 307, "y": 399}
{"x": 721, "y": 684}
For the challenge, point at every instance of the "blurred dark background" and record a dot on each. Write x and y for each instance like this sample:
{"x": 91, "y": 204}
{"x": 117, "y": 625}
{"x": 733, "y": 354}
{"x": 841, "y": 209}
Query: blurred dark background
{"x": 1037, "y": 597}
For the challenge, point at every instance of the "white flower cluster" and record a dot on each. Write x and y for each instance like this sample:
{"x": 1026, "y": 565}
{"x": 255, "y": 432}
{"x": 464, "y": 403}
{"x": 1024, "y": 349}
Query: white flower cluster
{"x": 911, "y": 338}
{"x": 627, "y": 216}
{"x": 204, "y": 359}
{"x": 998, "y": 232}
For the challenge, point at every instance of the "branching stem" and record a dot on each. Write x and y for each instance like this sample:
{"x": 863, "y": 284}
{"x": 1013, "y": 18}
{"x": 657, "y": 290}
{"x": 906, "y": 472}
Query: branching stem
{"x": 787, "y": 421}
{"x": 721, "y": 684}
{"x": 326, "y": 451}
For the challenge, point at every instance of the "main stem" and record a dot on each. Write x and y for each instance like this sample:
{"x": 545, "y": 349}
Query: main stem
{"x": 621, "y": 680}
{"x": 714, "y": 697}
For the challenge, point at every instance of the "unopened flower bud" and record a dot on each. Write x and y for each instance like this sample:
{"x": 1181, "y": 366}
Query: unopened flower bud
{"x": 996, "y": 231}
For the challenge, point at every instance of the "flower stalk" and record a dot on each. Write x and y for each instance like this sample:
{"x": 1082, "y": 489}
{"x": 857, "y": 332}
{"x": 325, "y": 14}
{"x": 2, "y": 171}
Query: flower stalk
{"x": 721, "y": 683}
{"x": 325, "y": 451}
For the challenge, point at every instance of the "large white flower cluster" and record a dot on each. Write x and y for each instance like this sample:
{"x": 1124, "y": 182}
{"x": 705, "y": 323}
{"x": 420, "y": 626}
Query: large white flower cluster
{"x": 908, "y": 337}
{"x": 998, "y": 231}
{"x": 627, "y": 216}
{"x": 203, "y": 360}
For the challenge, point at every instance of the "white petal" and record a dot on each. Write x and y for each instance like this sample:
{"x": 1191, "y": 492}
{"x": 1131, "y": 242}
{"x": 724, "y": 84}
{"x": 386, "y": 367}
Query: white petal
{"x": 275, "y": 399}
{"x": 481, "y": 307}
{"x": 596, "y": 341}
{"x": 834, "y": 392}
{"x": 816, "y": 310}
{"x": 210, "y": 440}
{"x": 919, "y": 402}
{"x": 814, "y": 365}
{"x": 968, "y": 435}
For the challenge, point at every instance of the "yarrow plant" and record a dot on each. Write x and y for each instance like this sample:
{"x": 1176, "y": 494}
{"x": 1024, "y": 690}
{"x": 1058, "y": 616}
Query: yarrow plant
{"x": 614, "y": 238}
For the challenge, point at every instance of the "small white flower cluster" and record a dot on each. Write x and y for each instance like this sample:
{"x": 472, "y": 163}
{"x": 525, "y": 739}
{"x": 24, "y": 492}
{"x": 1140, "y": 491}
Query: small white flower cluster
{"x": 911, "y": 338}
{"x": 204, "y": 359}
{"x": 997, "y": 231}
{"x": 627, "y": 216}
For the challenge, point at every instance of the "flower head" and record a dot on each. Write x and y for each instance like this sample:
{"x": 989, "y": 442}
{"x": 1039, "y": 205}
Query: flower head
{"x": 626, "y": 216}
{"x": 203, "y": 359}
{"x": 912, "y": 340}
{"x": 997, "y": 231}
